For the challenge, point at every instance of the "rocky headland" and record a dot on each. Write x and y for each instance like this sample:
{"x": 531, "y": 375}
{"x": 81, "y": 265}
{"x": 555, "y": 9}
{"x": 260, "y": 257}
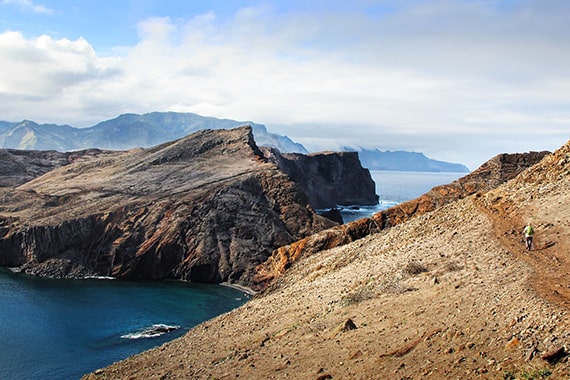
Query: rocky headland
{"x": 329, "y": 179}
{"x": 207, "y": 208}
{"x": 450, "y": 293}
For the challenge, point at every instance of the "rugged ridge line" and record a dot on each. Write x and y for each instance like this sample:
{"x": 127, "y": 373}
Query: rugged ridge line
{"x": 490, "y": 175}
{"x": 207, "y": 208}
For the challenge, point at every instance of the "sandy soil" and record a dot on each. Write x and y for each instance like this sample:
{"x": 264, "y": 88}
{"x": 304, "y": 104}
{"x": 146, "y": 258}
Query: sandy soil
{"x": 449, "y": 295}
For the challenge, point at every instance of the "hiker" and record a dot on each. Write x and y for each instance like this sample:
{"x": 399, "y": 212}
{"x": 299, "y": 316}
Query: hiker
{"x": 528, "y": 235}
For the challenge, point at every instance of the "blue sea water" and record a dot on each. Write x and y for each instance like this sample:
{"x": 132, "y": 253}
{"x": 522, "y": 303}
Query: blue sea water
{"x": 62, "y": 329}
{"x": 399, "y": 186}
{"x": 393, "y": 187}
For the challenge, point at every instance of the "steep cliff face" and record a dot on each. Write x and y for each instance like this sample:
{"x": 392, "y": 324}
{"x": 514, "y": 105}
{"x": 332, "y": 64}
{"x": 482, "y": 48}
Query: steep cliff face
{"x": 329, "y": 179}
{"x": 205, "y": 208}
{"x": 490, "y": 175}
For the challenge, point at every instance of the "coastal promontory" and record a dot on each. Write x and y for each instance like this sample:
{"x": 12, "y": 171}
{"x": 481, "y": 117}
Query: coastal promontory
{"x": 208, "y": 208}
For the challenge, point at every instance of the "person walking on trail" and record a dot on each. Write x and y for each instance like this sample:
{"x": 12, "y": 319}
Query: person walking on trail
{"x": 528, "y": 235}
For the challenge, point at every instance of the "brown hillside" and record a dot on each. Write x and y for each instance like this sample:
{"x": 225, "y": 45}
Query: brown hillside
{"x": 448, "y": 294}
{"x": 491, "y": 174}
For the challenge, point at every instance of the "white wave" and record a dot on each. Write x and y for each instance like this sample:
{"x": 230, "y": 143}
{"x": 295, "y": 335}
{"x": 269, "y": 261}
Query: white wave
{"x": 99, "y": 278}
{"x": 151, "y": 331}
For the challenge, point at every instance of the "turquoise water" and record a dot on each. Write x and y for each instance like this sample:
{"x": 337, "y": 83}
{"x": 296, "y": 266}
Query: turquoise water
{"x": 61, "y": 329}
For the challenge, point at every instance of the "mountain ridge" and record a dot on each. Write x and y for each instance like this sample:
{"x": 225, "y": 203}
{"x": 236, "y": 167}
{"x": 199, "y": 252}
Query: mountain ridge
{"x": 128, "y": 131}
{"x": 204, "y": 208}
{"x": 131, "y": 130}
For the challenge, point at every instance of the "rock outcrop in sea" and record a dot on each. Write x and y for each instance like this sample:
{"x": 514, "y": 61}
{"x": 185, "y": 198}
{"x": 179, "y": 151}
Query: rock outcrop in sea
{"x": 205, "y": 208}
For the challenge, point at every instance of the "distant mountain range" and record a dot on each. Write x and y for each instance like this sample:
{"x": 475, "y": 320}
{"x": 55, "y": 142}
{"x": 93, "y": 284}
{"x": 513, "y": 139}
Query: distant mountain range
{"x": 132, "y": 130}
{"x": 375, "y": 159}
{"x": 129, "y": 131}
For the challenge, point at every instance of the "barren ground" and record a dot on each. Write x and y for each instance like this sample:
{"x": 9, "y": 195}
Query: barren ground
{"x": 448, "y": 295}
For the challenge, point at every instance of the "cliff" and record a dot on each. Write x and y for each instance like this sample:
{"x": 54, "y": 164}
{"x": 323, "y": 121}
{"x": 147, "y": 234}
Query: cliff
{"x": 329, "y": 178}
{"x": 491, "y": 174}
{"x": 206, "y": 208}
{"x": 448, "y": 294}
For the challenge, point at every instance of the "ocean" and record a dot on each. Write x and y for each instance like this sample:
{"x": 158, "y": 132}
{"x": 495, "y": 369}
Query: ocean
{"x": 62, "y": 329}
{"x": 393, "y": 187}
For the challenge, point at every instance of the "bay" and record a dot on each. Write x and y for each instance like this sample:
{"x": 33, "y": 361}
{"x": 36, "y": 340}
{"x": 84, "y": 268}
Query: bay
{"x": 62, "y": 329}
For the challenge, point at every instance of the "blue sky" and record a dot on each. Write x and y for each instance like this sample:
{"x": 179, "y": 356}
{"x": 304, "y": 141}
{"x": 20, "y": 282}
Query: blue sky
{"x": 460, "y": 80}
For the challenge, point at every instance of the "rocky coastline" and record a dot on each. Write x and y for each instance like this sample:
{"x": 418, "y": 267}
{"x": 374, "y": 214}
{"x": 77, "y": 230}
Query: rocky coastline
{"x": 438, "y": 287}
{"x": 206, "y": 208}
{"x": 450, "y": 293}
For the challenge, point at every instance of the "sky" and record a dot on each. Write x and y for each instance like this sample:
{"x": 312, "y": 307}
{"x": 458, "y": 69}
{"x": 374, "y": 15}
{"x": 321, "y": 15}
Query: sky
{"x": 459, "y": 80}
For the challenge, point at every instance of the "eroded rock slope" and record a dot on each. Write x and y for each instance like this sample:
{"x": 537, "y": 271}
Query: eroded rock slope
{"x": 205, "y": 208}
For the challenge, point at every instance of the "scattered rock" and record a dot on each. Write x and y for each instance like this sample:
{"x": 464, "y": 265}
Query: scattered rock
{"x": 554, "y": 355}
{"x": 348, "y": 325}
{"x": 512, "y": 344}
{"x": 530, "y": 353}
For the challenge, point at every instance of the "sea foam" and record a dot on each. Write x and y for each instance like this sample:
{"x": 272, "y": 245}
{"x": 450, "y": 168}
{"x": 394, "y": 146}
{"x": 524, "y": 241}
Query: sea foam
{"x": 151, "y": 331}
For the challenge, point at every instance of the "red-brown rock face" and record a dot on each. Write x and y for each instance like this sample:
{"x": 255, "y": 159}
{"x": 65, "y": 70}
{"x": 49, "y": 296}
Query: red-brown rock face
{"x": 204, "y": 208}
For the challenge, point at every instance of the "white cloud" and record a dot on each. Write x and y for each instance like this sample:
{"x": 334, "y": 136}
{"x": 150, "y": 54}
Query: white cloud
{"x": 29, "y": 6}
{"x": 452, "y": 74}
{"x": 44, "y": 67}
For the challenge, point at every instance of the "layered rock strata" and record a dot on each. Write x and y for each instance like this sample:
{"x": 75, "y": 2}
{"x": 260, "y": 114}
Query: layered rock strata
{"x": 490, "y": 175}
{"x": 207, "y": 208}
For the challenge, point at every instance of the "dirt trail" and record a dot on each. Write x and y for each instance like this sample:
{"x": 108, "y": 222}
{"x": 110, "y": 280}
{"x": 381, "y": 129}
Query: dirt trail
{"x": 549, "y": 255}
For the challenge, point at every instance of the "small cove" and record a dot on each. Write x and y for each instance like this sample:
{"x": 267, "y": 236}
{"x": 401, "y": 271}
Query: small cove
{"x": 61, "y": 329}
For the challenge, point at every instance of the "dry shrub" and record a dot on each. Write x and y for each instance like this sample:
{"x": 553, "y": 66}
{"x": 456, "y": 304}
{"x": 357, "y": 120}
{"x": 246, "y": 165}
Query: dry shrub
{"x": 414, "y": 268}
